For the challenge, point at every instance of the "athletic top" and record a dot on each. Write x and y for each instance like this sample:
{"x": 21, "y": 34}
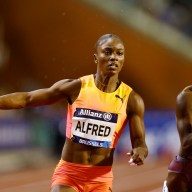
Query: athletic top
{"x": 97, "y": 118}
{"x": 182, "y": 165}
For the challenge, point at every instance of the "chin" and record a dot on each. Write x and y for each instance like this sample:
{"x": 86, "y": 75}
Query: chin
{"x": 112, "y": 73}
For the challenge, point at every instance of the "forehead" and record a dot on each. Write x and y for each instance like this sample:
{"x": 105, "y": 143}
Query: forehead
{"x": 111, "y": 42}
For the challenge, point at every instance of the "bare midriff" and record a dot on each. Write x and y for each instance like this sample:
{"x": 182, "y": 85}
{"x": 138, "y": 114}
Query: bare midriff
{"x": 82, "y": 154}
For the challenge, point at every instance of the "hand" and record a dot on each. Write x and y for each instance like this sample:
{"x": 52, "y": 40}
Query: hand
{"x": 136, "y": 156}
{"x": 131, "y": 160}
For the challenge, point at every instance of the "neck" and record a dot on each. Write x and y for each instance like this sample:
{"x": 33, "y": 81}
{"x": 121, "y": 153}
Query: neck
{"x": 106, "y": 84}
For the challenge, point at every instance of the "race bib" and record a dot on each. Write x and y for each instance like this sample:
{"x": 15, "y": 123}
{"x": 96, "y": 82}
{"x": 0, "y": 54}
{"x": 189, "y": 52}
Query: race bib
{"x": 92, "y": 127}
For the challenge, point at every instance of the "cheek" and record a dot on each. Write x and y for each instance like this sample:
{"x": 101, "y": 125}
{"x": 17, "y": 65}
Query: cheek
{"x": 103, "y": 60}
{"x": 120, "y": 67}
{"x": 121, "y": 61}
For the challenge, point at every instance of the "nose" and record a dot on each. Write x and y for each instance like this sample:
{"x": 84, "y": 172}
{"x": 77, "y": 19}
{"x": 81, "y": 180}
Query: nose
{"x": 114, "y": 57}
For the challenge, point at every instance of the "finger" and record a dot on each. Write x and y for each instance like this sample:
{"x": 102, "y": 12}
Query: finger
{"x": 130, "y": 160}
{"x": 130, "y": 153}
{"x": 135, "y": 157}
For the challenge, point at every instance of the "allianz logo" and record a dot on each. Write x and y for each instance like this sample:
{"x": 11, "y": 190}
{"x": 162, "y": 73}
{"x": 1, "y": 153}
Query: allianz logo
{"x": 105, "y": 116}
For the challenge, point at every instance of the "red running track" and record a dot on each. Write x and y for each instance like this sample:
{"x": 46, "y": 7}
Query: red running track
{"x": 146, "y": 178}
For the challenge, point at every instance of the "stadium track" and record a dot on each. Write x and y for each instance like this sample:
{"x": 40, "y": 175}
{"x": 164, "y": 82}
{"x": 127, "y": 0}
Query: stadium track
{"x": 146, "y": 178}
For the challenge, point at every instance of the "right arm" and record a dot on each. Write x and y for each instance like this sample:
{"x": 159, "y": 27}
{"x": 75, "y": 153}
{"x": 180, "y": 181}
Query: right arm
{"x": 68, "y": 89}
{"x": 184, "y": 120}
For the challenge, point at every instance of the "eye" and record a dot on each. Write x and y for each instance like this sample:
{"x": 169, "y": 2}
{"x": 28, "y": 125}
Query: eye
{"x": 107, "y": 52}
{"x": 120, "y": 53}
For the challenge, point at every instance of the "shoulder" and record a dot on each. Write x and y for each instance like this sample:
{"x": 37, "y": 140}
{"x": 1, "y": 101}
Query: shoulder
{"x": 184, "y": 95}
{"x": 67, "y": 88}
{"x": 87, "y": 77}
{"x": 66, "y": 83}
{"x": 126, "y": 87}
{"x": 73, "y": 83}
{"x": 135, "y": 103}
{"x": 184, "y": 100}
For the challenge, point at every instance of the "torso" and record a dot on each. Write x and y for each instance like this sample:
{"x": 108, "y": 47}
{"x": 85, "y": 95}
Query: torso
{"x": 102, "y": 103}
{"x": 87, "y": 155}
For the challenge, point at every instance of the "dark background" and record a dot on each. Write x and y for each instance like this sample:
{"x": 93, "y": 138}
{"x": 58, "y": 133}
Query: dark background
{"x": 52, "y": 40}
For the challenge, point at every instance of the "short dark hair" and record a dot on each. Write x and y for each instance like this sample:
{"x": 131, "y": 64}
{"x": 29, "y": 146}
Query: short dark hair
{"x": 105, "y": 36}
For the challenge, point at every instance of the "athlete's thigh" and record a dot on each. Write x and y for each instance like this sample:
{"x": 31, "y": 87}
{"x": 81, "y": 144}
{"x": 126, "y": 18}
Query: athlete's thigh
{"x": 62, "y": 188}
{"x": 177, "y": 182}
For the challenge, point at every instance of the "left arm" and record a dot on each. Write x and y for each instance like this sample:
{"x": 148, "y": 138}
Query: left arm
{"x": 135, "y": 112}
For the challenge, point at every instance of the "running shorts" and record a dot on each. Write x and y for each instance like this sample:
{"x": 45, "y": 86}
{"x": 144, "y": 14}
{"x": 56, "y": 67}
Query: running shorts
{"x": 182, "y": 165}
{"x": 83, "y": 178}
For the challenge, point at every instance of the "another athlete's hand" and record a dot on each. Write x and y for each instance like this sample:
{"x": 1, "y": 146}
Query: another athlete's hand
{"x": 137, "y": 156}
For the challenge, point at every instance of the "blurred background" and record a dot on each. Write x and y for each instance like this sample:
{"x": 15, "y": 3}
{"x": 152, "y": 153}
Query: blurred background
{"x": 43, "y": 41}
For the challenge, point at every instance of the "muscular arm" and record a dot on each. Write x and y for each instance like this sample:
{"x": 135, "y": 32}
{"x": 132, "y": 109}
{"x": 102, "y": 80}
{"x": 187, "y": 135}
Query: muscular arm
{"x": 135, "y": 111}
{"x": 68, "y": 89}
{"x": 184, "y": 120}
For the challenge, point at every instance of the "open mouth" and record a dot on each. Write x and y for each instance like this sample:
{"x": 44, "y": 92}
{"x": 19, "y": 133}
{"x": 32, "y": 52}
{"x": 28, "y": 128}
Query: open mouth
{"x": 113, "y": 65}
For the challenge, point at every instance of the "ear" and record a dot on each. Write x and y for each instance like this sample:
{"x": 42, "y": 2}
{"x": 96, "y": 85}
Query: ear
{"x": 95, "y": 58}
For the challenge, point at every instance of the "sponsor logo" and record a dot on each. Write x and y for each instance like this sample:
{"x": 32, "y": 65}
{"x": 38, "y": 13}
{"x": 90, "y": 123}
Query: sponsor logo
{"x": 121, "y": 98}
{"x": 107, "y": 116}
{"x": 90, "y": 113}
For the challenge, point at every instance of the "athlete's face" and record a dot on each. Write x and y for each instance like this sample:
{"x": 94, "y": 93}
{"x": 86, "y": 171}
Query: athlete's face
{"x": 109, "y": 56}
